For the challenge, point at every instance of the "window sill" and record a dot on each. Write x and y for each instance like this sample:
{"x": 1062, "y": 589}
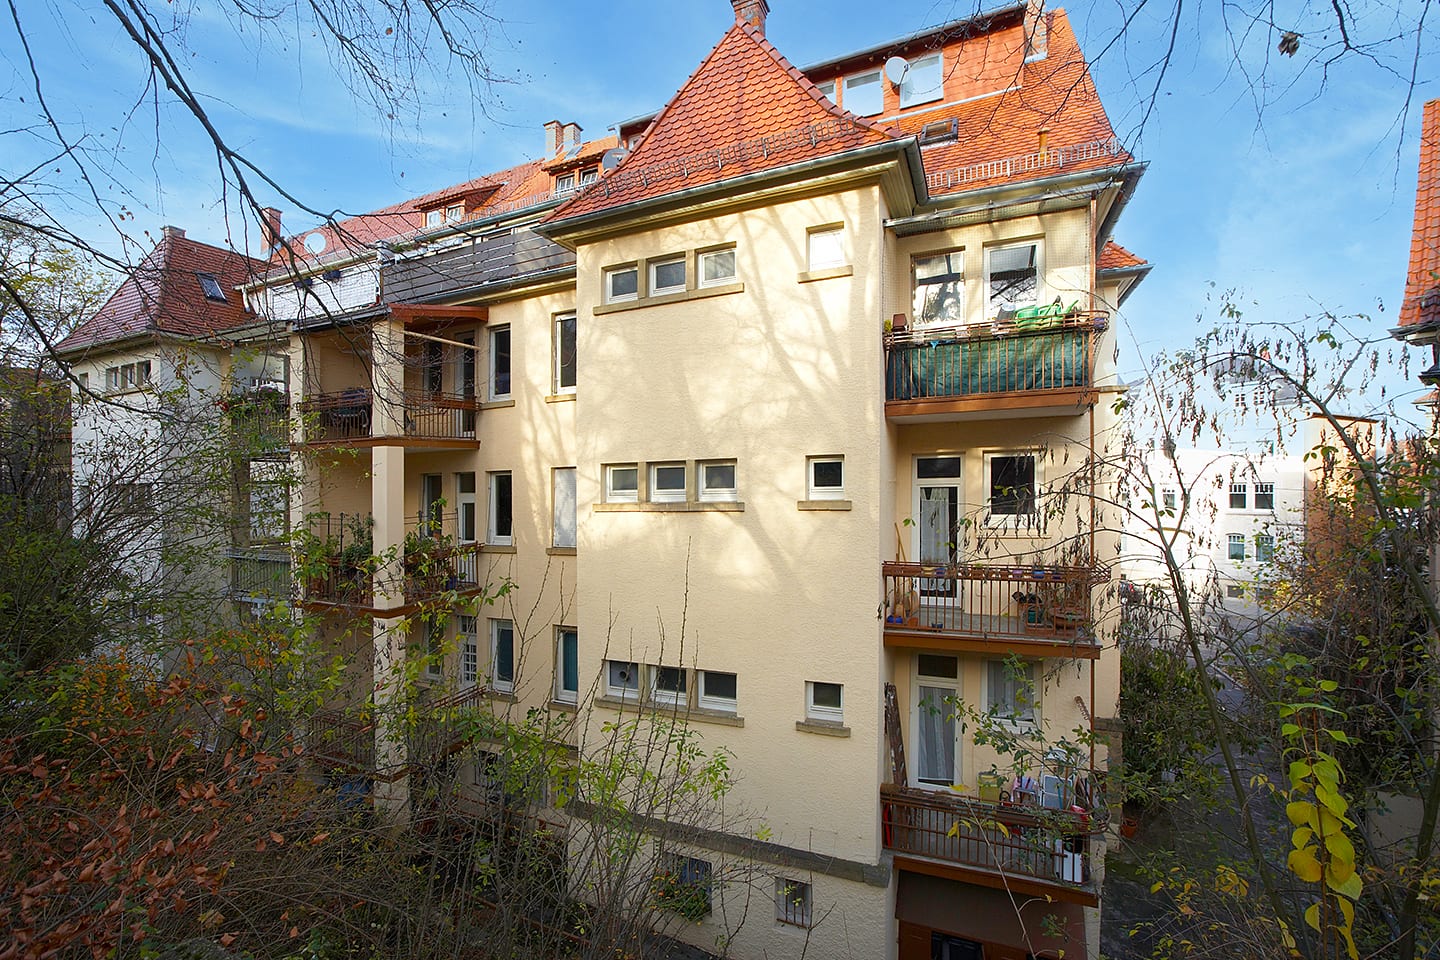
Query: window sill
{"x": 560, "y": 551}
{"x": 561, "y": 397}
{"x": 697, "y": 506}
{"x": 564, "y": 705}
{"x": 680, "y": 713}
{"x": 825, "y": 728}
{"x": 829, "y": 273}
{"x": 823, "y": 505}
{"x": 500, "y": 695}
{"x": 699, "y": 293}
{"x": 497, "y": 404}
{"x": 497, "y": 548}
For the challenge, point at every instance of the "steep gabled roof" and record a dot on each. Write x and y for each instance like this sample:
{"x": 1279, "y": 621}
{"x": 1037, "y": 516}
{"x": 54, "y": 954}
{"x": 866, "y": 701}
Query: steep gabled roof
{"x": 164, "y": 294}
{"x": 744, "y": 110}
{"x": 1421, "y": 305}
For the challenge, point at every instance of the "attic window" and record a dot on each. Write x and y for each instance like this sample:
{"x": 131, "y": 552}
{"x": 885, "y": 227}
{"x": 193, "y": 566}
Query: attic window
{"x": 211, "y": 286}
{"x": 939, "y": 131}
{"x": 565, "y": 184}
{"x": 589, "y": 175}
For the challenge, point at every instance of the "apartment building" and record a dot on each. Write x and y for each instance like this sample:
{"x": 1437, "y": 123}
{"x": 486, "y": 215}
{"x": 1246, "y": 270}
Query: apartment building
{"x": 781, "y": 411}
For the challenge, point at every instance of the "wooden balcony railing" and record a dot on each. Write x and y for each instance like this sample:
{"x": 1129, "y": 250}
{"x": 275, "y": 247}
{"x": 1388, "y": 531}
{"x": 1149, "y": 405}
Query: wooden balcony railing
{"x": 349, "y": 415}
{"x": 999, "y": 358}
{"x": 341, "y": 739}
{"x": 1030, "y": 842}
{"x": 260, "y": 573}
{"x": 991, "y": 603}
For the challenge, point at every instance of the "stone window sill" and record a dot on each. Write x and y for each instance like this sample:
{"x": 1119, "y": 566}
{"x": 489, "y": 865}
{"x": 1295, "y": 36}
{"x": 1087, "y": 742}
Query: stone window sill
{"x": 498, "y": 548}
{"x": 825, "y": 728}
{"x": 829, "y": 273}
{"x": 560, "y": 551}
{"x": 718, "y": 506}
{"x": 823, "y": 505}
{"x": 680, "y": 713}
{"x": 560, "y": 397}
{"x": 497, "y": 404}
{"x": 699, "y": 293}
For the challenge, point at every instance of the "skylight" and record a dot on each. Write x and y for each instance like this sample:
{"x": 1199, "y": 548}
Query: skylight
{"x": 211, "y": 286}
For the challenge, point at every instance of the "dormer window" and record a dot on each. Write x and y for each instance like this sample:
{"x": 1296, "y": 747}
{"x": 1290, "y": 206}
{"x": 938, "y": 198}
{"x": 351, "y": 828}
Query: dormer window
{"x": 589, "y": 175}
{"x": 827, "y": 89}
{"x": 565, "y": 183}
{"x": 924, "y": 81}
{"x": 864, "y": 94}
{"x": 455, "y": 213}
{"x": 210, "y": 284}
{"x": 434, "y": 218}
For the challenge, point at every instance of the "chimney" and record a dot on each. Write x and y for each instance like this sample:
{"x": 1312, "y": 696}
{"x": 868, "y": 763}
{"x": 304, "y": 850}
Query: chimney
{"x": 1036, "y": 39}
{"x": 552, "y": 138}
{"x": 270, "y": 228}
{"x": 570, "y": 135}
{"x": 752, "y": 12}
{"x": 172, "y": 233}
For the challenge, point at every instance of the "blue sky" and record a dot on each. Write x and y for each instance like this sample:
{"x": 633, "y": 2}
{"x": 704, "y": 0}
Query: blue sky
{"x": 1303, "y": 206}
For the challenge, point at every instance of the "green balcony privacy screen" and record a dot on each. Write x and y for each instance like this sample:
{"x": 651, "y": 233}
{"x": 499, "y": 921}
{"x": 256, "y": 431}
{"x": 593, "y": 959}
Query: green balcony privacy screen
{"x": 963, "y": 368}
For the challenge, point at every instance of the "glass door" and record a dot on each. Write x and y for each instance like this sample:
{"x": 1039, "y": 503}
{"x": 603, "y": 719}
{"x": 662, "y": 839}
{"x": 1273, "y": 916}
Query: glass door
{"x": 937, "y": 744}
{"x": 937, "y": 519}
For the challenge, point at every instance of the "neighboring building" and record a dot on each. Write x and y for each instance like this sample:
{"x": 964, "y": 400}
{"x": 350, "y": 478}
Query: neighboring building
{"x": 35, "y": 443}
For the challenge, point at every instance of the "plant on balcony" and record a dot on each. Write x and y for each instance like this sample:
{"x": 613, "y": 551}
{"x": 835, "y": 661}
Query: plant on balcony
{"x": 427, "y": 558}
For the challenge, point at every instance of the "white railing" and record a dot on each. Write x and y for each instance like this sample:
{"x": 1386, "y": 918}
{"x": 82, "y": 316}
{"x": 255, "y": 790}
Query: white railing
{"x": 1058, "y": 157}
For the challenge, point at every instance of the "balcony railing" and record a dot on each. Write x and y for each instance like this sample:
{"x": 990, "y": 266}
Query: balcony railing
{"x": 349, "y": 415}
{"x": 341, "y": 739}
{"x": 442, "y": 726}
{"x": 260, "y": 573}
{"x": 1026, "y": 841}
{"x": 999, "y": 358}
{"x": 434, "y": 559}
{"x": 1047, "y": 604}
{"x": 260, "y": 422}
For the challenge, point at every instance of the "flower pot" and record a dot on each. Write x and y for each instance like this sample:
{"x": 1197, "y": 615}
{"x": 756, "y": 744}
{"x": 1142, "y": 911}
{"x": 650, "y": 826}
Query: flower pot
{"x": 1128, "y": 827}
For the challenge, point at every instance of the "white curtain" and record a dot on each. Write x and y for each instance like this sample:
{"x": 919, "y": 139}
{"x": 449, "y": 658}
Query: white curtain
{"x": 935, "y": 736}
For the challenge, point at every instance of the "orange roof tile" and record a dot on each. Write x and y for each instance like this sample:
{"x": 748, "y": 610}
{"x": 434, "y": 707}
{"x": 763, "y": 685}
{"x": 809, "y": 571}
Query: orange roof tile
{"x": 590, "y": 152}
{"x": 1115, "y": 257}
{"x": 1422, "y": 285}
{"x": 745, "y": 109}
{"x": 163, "y": 294}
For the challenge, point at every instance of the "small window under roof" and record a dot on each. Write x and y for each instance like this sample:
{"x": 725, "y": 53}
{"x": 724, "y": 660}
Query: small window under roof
{"x": 939, "y": 131}
{"x": 211, "y": 286}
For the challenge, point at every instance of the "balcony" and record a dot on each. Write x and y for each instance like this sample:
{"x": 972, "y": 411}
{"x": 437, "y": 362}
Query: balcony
{"x": 1028, "y": 611}
{"x": 442, "y": 726}
{"x": 259, "y": 573}
{"x": 341, "y": 563}
{"x": 347, "y": 418}
{"x": 1008, "y": 368}
{"x": 434, "y": 561}
{"x": 259, "y": 422}
{"x": 343, "y": 740}
{"x": 1027, "y": 848}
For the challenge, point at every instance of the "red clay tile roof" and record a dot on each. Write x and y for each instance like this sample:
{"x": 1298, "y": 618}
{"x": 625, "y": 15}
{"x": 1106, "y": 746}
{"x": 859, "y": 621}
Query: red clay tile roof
{"x": 1422, "y": 286}
{"x": 163, "y": 295}
{"x": 745, "y": 109}
{"x": 590, "y": 152}
{"x": 1115, "y": 257}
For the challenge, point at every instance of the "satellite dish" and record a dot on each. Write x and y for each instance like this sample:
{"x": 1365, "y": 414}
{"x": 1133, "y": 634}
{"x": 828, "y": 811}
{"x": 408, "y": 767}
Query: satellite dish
{"x": 315, "y": 243}
{"x": 895, "y": 69}
{"x": 612, "y": 157}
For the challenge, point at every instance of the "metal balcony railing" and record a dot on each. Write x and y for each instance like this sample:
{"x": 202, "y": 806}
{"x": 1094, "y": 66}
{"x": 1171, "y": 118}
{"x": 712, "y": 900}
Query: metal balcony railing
{"x": 442, "y": 726}
{"x": 350, "y": 415}
{"x": 259, "y": 422}
{"x": 434, "y": 558}
{"x": 341, "y": 739}
{"x": 260, "y": 573}
{"x": 978, "y": 360}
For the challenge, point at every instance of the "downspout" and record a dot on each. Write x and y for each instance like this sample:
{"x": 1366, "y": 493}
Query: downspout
{"x": 1095, "y": 262}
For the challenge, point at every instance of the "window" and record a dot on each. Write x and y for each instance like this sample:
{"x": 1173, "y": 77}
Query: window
{"x": 827, "y": 90}
{"x": 1013, "y": 276}
{"x": 622, "y": 283}
{"x": 564, "y": 529}
{"x": 622, "y": 678}
{"x": 622, "y": 483}
{"x": 432, "y": 367}
{"x": 1012, "y": 486}
{"x": 924, "y": 81}
{"x": 465, "y": 508}
{"x": 564, "y": 184}
{"x": 567, "y": 665}
{"x": 1237, "y": 546}
{"x": 269, "y": 507}
{"x": 1264, "y": 496}
{"x": 826, "y": 247}
{"x": 716, "y": 267}
{"x": 667, "y": 482}
{"x": 210, "y": 284}
{"x": 565, "y": 354}
{"x": 939, "y": 288}
{"x": 669, "y": 685}
{"x": 133, "y": 499}
{"x": 1264, "y": 547}
{"x": 717, "y": 480}
{"x": 455, "y": 213}
{"x": 1237, "y": 496}
{"x": 127, "y": 375}
{"x": 717, "y": 691}
{"x": 1234, "y": 591}
{"x": 667, "y": 276}
{"x": 682, "y": 884}
{"x": 1168, "y": 499}
{"x": 589, "y": 175}
{"x": 435, "y": 648}
{"x": 469, "y": 651}
{"x": 502, "y": 655}
{"x": 501, "y": 531}
{"x": 792, "y": 901}
{"x": 826, "y": 478}
{"x": 1012, "y": 690}
{"x": 825, "y": 701}
{"x": 864, "y": 95}
{"x": 434, "y": 218}
{"x": 500, "y": 363}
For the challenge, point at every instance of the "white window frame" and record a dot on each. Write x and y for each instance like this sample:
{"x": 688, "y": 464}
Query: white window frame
{"x": 710, "y": 494}
{"x": 1036, "y": 681}
{"x": 794, "y": 901}
{"x": 558, "y": 347}
{"x": 564, "y": 694}
{"x": 621, "y": 495}
{"x": 952, "y": 275}
{"x": 823, "y": 712}
{"x": 609, "y": 283}
{"x": 564, "y": 501}
{"x": 867, "y": 77}
{"x": 1232, "y": 541}
{"x": 992, "y": 307}
{"x": 1264, "y": 490}
{"x": 626, "y": 691}
{"x": 813, "y": 490}
{"x": 709, "y": 701}
{"x": 1169, "y": 498}
{"x": 1241, "y": 490}
{"x": 467, "y": 522}
{"x": 827, "y": 89}
{"x": 652, "y": 270}
{"x": 705, "y": 257}
{"x": 467, "y": 629}
{"x": 492, "y": 533}
{"x": 565, "y": 183}
{"x": 669, "y": 698}
{"x": 497, "y": 625}
{"x": 493, "y": 384}
{"x": 1264, "y": 547}
{"x": 454, "y": 213}
{"x": 1030, "y": 518}
{"x": 825, "y": 247}
{"x": 589, "y": 175}
{"x": 669, "y": 494}
{"x": 911, "y": 94}
{"x": 434, "y": 218}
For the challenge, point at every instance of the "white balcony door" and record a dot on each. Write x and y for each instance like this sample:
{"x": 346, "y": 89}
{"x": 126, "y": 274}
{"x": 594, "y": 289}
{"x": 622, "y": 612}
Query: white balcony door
{"x": 937, "y": 740}
{"x": 937, "y": 518}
